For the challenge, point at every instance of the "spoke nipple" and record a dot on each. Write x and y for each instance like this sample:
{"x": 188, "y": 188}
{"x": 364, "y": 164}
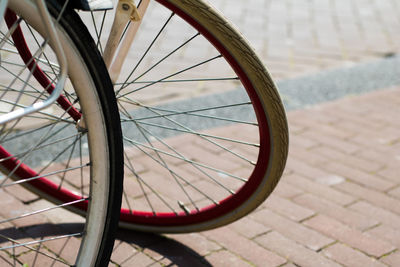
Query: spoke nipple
{"x": 184, "y": 208}
{"x": 81, "y": 126}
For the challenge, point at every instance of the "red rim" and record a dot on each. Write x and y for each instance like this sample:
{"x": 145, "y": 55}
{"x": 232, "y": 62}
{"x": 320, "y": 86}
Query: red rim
{"x": 232, "y": 202}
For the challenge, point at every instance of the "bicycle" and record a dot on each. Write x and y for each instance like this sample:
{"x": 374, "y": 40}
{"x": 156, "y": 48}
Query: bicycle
{"x": 53, "y": 124}
{"x": 184, "y": 171}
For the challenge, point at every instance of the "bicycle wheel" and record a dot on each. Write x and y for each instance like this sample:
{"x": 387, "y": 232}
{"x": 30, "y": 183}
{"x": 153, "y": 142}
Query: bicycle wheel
{"x": 205, "y": 133}
{"x": 69, "y": 153}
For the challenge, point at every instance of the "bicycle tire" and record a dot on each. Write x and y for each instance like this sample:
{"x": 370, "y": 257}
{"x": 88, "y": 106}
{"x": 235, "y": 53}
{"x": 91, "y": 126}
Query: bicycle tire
{"x": 273, "y": 134}
{"x": 33, "y": 145}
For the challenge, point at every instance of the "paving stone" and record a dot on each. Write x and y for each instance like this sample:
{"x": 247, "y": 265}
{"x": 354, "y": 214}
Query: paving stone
{"x": 350, "y": 160}
{"x": 293, "y": 251}
{"x": 350, "y": 257}
{"x": 197, "y": 242}
{"x": 378, "y": 198}
{"x": 392, "y": 259}
{"x": 319, "y": 190}
{"x": 293, "y": 230}
{"x": 286, "y": 190}
{"x": 138, "y": 259}
{"x": 122, "y": 251}
{"x": 287, "y": 208}
{"x": 176, "y": 253}
{"x": 387, "y": 233}
{"x": 395, "y": 192}
{"x": 301, "y": 153}
{"x": 248, "y": 250}
{"x": 305, "y": 169}
{"x": 226, "y": 258}
{"x": 342, "y": 214}
{"x": 377, "y": 213}
{"x": 359, "y": 177}
{"x": 21, "y": 193}
{"x": 248, "y": 227}
{"x": 336, "y": 230}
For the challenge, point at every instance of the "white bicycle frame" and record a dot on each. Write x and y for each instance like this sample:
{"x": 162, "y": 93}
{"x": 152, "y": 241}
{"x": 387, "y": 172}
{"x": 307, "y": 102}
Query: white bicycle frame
{"x": 56, "y": 45}
{"x": 126, "y": 14}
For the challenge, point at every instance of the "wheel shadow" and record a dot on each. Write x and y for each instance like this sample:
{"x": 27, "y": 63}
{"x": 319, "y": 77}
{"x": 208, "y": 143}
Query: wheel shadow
{"x": 131, "y": 247}
{"x": 161, "y": 249}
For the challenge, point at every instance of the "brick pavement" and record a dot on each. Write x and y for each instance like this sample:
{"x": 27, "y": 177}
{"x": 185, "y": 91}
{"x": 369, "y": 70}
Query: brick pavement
{"x": 298, "y": 37}
{"x": 338, "y": 203}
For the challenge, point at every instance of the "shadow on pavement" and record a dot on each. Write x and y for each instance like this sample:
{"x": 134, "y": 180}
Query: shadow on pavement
{"x": 163, "y": 249}
{"x": 157, "y": 247}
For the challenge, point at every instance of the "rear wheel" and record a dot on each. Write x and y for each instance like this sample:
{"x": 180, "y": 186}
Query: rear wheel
{"x": 205, "y": 132}
{"x": 69, "y": 153}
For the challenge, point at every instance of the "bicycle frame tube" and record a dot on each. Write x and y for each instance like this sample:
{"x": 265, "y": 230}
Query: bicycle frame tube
{"x": 50, "y": 30}
{"x": 126, "y": 13}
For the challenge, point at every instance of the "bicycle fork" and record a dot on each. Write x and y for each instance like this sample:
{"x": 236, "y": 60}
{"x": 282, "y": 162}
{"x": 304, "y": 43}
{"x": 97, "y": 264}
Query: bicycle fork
{"x": 129, "y": 17}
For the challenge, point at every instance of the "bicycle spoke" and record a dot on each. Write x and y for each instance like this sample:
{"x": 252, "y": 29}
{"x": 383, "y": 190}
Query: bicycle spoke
{"x": 190, "y": 113}
{"x": 185, "y": 80}
{"x": 78, "y": 140}
{"x": 54, "y": 159}
{"x": 164, "y": 164}
{"x": 41, "y": 140}
{"x": 145, "y": 53}
{"x": 98, "y": 32}
{"x": 186, "y": 160}
{"x": 28, "y": 245}
{"x": 168, "y": 76}
{"x": 175, "y": 176}
{"x": 189, "y": 130}
{"x": 46, "y": 175}
{"x": 46, "y": 59}
{"x": 24, "y": 153}
{"x": 201, "y": 135}
{"x": 43, "y": 210}
{"x": 11, "y": 30}
{"x": 178, "y": 176}
{"x": 163, "y": 59}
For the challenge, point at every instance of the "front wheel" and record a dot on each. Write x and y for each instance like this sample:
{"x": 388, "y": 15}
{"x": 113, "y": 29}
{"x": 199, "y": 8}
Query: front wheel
{"x": 70, "y": 155}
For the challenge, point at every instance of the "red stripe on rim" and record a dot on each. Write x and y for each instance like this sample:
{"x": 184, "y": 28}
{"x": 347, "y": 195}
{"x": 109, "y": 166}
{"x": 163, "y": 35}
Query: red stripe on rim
{"x": 230, "y": 203}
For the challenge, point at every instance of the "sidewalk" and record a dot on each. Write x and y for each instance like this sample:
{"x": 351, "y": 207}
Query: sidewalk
{"x": 301, "y": 37}
{"x": 337, "y": 204}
